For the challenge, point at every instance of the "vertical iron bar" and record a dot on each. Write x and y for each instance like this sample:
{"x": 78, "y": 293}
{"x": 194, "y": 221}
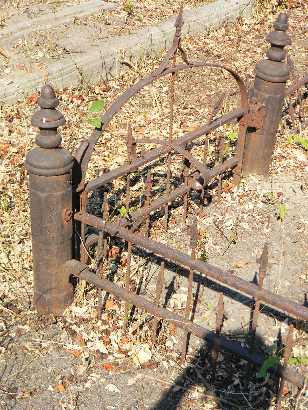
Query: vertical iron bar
{"x": 221, "y": 147}
{"x": 193, "y": 244}
{"x": 106, "y": 219}
{"x": 172, "y": 98}
{"x": 148, "y": 193}
{"x": 158, "y": 292}
{"x": 127, "y": 281}
{"x": 186, "y": 196}
{"x": 286, "y": 356}
{"x": 261, "y": 277}
{"x": 83, "y": 208}
{"x": 131, "y": 144}
{"x": 220, "y": 311}
{"x": 99, "y": 267}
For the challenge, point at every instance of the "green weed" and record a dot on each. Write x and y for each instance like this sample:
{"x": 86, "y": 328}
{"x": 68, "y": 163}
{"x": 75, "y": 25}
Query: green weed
{"x": 298, "y": 140}
{"x": 128, "y": 7}
{"x": 96, "y": 107}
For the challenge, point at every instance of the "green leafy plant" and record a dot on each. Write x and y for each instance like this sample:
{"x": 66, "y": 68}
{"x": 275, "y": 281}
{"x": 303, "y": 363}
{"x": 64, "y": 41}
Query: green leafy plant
{"x": 123, "y": 212}
{"x": 204, "y": 256}
{"x": 270, "y": 362}
{"x": 281, "y": 211}
{"x": 128, "y": 7}
{"x": 96, "y": 107}
{"x": 5, "y": 203}
{"x": 298, "y": 361}
{"x": 231, "y": 136}
{"x": 299, "y": 140}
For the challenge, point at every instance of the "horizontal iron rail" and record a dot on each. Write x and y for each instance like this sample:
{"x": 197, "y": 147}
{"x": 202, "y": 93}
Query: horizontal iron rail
{"x": 76, "y": 268}
{"x": 157, "y": 152}
{"x": 218, "y": 275}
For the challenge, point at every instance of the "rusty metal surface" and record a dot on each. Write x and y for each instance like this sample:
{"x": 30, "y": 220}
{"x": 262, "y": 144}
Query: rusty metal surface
{"x": 287, "y": 352}
{"x": 268, "y": 91}
{"x": 82, "y": 271}
{"x": 49, "y": 168}
{"x": 154, "y": 154}
{"x": 52, "y": 210}
{"x": 166, "y": 67}
{"x": 223, "y": 277}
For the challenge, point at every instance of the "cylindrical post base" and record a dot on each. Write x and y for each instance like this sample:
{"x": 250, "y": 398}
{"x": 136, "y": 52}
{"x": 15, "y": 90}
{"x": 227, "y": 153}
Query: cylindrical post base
{"x": 260, "y": 144}
{"x": 51, "y": 206}
{"x": 50, "y": 182}
{"x": 269, "y": 89}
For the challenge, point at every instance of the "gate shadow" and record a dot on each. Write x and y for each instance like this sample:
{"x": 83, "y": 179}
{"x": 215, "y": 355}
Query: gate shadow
{"x": 234, "y": 384}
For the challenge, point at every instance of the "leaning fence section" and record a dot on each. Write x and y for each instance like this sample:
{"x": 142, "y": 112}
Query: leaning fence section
{"x": 71, "y": 240}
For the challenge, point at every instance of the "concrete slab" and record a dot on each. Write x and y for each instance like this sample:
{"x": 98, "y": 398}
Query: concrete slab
{"x": 101, "y": 59}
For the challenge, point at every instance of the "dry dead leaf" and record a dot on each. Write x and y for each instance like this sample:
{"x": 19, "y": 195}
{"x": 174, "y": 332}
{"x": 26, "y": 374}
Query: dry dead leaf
{"x": 111, "y": 305}
{"x": 60, "y": 388}
{"x": 74, "y": 352}
{"x": 108, "y": 366}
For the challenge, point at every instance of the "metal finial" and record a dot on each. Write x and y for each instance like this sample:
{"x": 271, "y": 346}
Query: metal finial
{"x": 48, "y": 118}
{"x": 278, "y": 39}
{"x": 281, "y": 23}
{"x": 48, "y": 98}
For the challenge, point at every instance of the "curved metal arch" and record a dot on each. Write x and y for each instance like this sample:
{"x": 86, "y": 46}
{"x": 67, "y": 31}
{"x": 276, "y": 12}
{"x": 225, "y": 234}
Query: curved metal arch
{"x": 134, "y": 89}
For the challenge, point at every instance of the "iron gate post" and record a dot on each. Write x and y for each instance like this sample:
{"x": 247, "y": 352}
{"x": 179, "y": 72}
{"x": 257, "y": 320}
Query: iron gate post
{"x": 50, "y": 168}
{"x": 269, "y": 90}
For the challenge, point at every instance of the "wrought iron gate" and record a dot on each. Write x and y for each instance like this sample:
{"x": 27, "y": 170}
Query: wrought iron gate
{"x": 60, "y": 193}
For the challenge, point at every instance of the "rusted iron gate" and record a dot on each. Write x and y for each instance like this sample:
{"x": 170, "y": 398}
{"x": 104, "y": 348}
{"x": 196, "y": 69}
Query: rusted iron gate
{"x": 59, "y": 197}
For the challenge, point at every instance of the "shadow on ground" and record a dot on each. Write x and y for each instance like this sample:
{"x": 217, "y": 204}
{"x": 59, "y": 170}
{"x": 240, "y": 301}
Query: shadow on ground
{"x": 230, "y": 382}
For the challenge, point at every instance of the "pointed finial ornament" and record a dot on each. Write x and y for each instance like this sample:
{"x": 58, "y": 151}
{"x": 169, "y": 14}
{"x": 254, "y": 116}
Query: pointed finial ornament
{"x": 49, "y": 158}
{"x": 48, "y": 97}
{"x": 274, "y": 68}
{"x": 48, "y": 119}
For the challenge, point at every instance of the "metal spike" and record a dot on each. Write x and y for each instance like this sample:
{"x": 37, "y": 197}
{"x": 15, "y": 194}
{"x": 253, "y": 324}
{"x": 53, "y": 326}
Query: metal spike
{"x": 131, "y": 144}
{"x": 220, "y": 314}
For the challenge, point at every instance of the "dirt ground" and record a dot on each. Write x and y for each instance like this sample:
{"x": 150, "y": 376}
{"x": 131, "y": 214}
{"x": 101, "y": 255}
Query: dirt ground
{"x": 80, "y": 362}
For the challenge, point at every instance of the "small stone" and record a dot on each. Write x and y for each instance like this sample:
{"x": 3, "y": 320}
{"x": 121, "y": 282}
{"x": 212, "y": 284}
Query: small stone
{"x": 142, "y": 354}
{"x": 112, "y": 388}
